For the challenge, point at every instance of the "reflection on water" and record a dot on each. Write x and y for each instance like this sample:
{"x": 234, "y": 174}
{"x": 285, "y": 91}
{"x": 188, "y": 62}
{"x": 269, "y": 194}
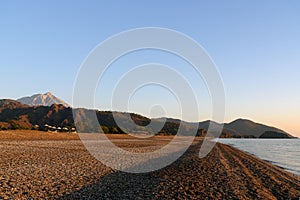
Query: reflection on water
{"x": 284, "y": 153}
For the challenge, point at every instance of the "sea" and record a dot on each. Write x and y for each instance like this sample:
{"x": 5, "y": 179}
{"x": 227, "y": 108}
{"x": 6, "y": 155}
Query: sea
{"x": 284, "y": 153}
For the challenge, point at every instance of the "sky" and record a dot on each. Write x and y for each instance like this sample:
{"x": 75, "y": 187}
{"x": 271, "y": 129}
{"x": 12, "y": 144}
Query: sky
{"x": 254, "y": 44}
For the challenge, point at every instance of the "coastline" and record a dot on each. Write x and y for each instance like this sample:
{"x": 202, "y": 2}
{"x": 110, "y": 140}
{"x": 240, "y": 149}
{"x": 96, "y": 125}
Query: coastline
{"x": 283, "y": 153}
{"x": 63, "y": 169}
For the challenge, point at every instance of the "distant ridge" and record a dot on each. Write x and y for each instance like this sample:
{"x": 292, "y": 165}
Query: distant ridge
{"x": 15, "y": 115}
{"x": 46, "y": 99}
{"x": 240, "y": 128}
{"x": 250, "y": 128}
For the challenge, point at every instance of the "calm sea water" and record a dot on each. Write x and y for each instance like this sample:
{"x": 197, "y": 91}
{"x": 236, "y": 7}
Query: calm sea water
{"x": 284, "y": 153}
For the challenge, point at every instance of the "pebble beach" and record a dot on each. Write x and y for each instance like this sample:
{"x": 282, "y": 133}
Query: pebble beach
{"x": 39, "y": 165}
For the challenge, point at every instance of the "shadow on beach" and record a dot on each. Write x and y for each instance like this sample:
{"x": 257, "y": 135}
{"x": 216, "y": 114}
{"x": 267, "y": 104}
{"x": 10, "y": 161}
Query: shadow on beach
{"x": 225, "y": 173}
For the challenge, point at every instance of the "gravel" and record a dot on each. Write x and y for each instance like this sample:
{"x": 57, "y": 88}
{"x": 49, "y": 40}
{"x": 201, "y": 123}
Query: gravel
{"x": 38, "y": 166}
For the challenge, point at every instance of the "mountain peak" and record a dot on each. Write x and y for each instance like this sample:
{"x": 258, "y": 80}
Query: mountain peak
{"x": 241, "y": 120}
{"x": 46, "y": 99}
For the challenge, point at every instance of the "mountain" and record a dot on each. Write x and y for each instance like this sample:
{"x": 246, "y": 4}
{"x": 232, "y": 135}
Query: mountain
{"x": 46, "y": 99}
{"x": 238, "y": 128}
{"x": 246, "y": 127}
{"x": 15, "y": 115}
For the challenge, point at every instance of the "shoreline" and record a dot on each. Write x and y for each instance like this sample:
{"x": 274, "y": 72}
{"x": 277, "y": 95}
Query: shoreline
{"x": 63, "y": 169}
{"x": 265, "y": 160}
{"x": 285, "y": 159}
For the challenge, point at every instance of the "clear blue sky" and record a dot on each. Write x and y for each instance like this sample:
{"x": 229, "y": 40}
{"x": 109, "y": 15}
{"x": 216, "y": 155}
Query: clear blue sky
{"x": 255, "y": 44}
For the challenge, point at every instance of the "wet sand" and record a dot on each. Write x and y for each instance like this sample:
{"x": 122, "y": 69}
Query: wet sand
{"x": 38, "y": 165}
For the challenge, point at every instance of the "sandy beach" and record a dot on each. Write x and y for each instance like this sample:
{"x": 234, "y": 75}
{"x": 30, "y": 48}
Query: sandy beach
{"x": 39, "y": 165}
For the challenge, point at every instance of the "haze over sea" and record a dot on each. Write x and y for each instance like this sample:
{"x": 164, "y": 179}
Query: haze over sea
{"x": 284, "y": 153}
